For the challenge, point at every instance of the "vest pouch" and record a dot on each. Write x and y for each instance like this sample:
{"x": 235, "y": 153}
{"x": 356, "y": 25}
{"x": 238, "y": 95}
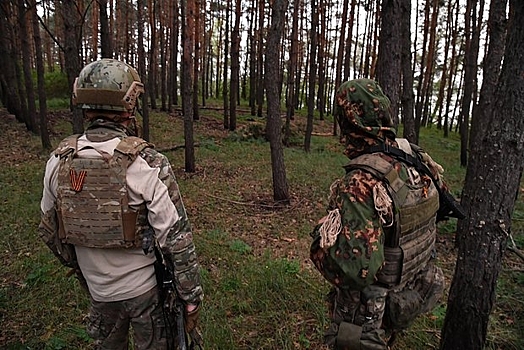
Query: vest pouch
{"x": 129, "y": 225}
{"x": 391, "y": 272}
{"x": 402, "y": 308}
{"x": 430, "y": 287}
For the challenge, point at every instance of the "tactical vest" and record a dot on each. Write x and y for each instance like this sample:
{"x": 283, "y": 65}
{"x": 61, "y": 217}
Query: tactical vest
{"x": 410, "y": 242}
{"x": 92, "y": 199}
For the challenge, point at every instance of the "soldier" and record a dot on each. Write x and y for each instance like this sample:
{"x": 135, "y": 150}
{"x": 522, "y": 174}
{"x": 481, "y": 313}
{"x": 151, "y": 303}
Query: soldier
{"x": 109, "y": 198}
{"x": 376, "y": 244}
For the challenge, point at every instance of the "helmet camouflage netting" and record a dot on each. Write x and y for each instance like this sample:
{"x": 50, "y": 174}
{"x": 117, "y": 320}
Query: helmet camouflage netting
{"x": 362, "y": 104}
{"x": 107, "y": 84}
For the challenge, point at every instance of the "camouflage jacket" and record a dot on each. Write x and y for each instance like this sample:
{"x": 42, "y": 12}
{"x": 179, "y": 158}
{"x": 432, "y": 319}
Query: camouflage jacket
{"x": 351, "y": 241}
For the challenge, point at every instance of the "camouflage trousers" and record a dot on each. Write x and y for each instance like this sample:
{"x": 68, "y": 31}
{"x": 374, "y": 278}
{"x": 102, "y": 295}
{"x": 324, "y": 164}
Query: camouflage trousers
{"x": 356, "y": 319}
{"x": 369, "y": 319}
{"x": 109, "y": 323}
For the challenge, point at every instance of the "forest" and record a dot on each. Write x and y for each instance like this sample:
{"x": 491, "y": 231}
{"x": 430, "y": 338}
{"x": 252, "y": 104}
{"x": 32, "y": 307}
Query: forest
{"x": 211, "y": 69}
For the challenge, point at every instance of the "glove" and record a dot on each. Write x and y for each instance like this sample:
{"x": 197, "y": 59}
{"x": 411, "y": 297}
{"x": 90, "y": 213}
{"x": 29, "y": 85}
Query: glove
{"x": 191, "y": 318}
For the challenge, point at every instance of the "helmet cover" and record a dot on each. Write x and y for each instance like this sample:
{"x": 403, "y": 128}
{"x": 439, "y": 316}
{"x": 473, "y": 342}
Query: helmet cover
{"x": 107, "y": 84}
{"x": 361, "y": 103}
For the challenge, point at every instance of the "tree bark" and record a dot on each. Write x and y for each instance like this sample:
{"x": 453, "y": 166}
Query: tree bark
{"x": 142, "y": 68}
{"x": 389, "y": 71}
{"x": 293, "y": 59}
{"x": 274, "y": 127}
{"x": 188, "y": 30}
{"x": 72, "y": 22}
{"x": 492, "y": 185}
{"x": 8, "y": 67}
{"x": 235, "y": 67}
{"x": 470, "y": 70}
{"x": 29, "y": 95}
{"x": 106, "y": 46}
{"x": 225, "y": 90}
{"x": 42, "y": 99}
{"x": 312, "y": 76}
{"x": 407, "y": 98}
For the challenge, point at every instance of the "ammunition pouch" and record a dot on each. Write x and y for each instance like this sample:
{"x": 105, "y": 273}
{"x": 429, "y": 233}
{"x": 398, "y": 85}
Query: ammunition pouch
{"x": 402, "y": 308}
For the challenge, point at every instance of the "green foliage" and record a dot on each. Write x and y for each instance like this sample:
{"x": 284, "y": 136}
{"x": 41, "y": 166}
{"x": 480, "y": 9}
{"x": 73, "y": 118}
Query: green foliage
{"x": 239, "y": 247}
{"x": 261, "y": 291}
{"x": 56, "y": 85}
{"x": 57, "y": 103}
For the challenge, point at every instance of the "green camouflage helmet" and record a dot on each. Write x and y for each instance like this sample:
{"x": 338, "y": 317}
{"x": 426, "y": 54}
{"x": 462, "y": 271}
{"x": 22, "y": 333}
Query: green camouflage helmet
{"x": 361, "y": 103}
{"x": 107, "y": 84}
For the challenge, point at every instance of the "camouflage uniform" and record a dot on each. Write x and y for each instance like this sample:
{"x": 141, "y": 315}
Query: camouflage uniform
{"x": 376, "y": 243}
{"x": 121, "y": 280}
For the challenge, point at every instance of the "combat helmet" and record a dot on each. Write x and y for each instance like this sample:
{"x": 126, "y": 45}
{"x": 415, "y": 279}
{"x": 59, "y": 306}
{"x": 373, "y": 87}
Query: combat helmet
{"x": 363, "y": 106}
{"x": 107, "y": 84}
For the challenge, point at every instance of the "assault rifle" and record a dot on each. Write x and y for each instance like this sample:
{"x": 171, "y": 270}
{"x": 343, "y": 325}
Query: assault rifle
{"x": 171, "y": 302}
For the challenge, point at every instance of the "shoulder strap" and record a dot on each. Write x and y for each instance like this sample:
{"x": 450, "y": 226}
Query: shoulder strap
{"x": 383, "y": 170}
{"x": 67, "y": 146}
{"x": 131, "y": 146}
{"x": 449, "y": 207}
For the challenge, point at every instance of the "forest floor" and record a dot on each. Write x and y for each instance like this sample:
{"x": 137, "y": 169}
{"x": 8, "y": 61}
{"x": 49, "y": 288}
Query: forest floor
{"x": 262, "y": 292}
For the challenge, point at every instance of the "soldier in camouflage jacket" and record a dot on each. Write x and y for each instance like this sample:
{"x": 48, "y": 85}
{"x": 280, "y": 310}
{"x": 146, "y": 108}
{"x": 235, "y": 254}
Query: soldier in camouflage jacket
{"x": 376, "y": 244}
{"x": 102, "y": 189}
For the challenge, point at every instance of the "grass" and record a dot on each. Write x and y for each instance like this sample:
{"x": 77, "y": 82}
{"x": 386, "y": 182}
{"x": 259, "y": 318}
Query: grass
{"x": 261, "y": 291}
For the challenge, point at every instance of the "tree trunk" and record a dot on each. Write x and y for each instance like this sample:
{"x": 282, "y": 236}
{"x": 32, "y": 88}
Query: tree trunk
{"x": 31, "y": 123}
{"x": 152, "y": 68}
{"x": 444, "y": 76}
{"x": 470, "y": 70}
{"x": 42, "y": 100}
{"x": 252, "y": 59}
{"x": 274, "y": 128}
{"x": 340, "y": 57}
{"x": 173, "y": 71}
{"x": 196, "y": 59}
{"x": 235, "y": 67}
{"x": 491, "y": 71}
{"x": 408, "y": 97}
{"x": 163, "y": 63}
{"x": 188, "y": 30}
{"x": 430, "y": 64}
{"x": 492, "y": 185}
{"x": 72, "y": 22}
{"x": 452, "y": 69}
{"x": 106, "y": 46}
{"x": 225, "y": 90}
{"x": 321, "y": 97}
{"x": 389, "y": 71}
{"x": 293, "y": 59}
{"x": 260, "y": 59}
{"x": 312, "y": 76}
{"x": 421, "y": 92}
{"x": 142, "y": 68}
{"x": 8, "y": 66}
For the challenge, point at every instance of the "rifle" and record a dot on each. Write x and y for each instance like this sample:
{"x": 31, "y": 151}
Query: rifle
{"x": 171, "y": 302}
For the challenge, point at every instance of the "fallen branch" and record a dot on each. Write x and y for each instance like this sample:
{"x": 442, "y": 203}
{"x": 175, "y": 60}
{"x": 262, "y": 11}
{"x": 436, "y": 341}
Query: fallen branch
{"x": 516, "y": 251}
{"x": 513, "y": 247}
{"x": 174, "y": 148}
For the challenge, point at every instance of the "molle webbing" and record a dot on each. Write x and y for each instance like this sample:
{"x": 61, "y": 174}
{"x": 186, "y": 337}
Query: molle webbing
{"x": 96, "y": 213}
{"x": 413, "y": 237}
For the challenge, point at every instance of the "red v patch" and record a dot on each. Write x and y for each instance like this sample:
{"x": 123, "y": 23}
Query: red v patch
{"x": 77, "y": 180}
